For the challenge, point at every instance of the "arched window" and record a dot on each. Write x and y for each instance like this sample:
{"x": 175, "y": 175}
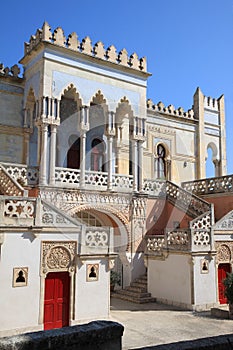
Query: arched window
{"x": 97, "y": 155}
{"x": 160, "y": 162}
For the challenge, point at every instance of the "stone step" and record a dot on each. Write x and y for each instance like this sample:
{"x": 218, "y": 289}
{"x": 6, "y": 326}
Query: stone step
{"x": 134, "y": 300}
{"x": 136, "y": 292}
{"x": 133, "y": 294}
{"x": 138, "y": 285}
{"x": 136, "y": 289}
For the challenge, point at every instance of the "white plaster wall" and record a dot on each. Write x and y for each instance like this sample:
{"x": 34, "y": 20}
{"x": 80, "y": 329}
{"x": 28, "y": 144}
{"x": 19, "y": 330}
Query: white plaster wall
{"x": 170, "y": 279}
{"x": 92, "y": 299}
{"x": 20, "y": 305}
{"x": 205, "y": 284}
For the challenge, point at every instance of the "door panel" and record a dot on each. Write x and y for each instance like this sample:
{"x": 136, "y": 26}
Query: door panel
{"x": 57, "y": 297}
{"x": 222, "y": 274}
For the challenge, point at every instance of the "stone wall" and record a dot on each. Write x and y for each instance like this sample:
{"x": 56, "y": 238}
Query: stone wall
{"x": 97, "y": 335}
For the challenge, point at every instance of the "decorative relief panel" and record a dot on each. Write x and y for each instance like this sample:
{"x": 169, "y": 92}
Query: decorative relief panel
{"x": 96, "y": 238}
{"x": 224, "y": 252}
{"x": 58, "y": 256}
{"x": 226, "y": 223}
{"x": 201, "y": 238}
{"x": 19, "y": 208}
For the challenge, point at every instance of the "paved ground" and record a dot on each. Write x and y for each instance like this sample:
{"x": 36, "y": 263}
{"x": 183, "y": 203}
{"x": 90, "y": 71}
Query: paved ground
{"x": 153, "y": 324}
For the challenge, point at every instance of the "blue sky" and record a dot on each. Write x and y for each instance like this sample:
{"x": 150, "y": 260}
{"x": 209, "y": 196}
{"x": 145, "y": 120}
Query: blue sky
{"x": 188, "y": 43}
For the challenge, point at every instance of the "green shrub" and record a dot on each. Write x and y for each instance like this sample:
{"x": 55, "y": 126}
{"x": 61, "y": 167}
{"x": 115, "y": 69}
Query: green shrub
{"x": 228, "y": 283}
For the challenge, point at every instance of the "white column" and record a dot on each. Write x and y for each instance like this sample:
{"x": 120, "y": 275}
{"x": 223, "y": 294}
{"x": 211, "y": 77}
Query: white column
{"x": 135, "y": 164}
{"x": 43, "y": 158}
{"x": 38, "y": 144}
{"x": 140, "y": 165}
{"x": 82, "y": 158}
{"x": 110, "y": 141}
{"x": 52, "y": 154}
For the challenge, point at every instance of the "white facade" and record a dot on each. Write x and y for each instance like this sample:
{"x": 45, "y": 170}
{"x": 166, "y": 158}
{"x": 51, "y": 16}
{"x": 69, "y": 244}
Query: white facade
{"x": 90, "y": 171}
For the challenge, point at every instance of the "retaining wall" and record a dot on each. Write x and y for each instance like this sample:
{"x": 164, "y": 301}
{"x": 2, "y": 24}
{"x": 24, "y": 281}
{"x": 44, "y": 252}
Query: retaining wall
{"x": 97, "y": 335}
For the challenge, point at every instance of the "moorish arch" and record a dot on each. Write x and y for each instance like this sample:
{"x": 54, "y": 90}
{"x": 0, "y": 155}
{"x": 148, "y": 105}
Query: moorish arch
{"x": 108, "y": 216}
{"x": 111, "y": 217}
{"x": 68, "y": 132}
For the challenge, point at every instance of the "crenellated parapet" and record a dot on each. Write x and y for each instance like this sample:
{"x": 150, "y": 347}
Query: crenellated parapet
{"x": 85, "y": 46}
{"x": 14, "y": 71}
{"x": 179, "y": 112}
{"x": 211, "y": 103}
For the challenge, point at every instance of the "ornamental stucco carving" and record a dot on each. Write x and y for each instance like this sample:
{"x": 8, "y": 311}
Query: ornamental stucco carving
{"x": 224, "y": 252}
{"x": 58, "y": 256}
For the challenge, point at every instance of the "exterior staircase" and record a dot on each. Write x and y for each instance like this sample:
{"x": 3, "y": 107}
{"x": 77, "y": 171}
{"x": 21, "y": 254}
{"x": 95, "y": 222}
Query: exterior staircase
{"x": 9, "y": 186}
{"x": 136, "y": 292}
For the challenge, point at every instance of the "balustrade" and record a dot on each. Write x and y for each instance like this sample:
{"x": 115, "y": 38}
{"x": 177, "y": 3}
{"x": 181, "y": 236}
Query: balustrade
{"x": 122, "y": 181}
{"x": 17, "y": 210}
{"x": 220, "y": 184}
{"x": 154, "y": 187}
{"x": 191, "y": 239}
{"x": 23, "y": 174}
{"x": 67, "y": 176}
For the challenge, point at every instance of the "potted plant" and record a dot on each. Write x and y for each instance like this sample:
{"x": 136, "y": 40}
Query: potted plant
{"x": 228, "y": 283}
{"x": 115, "y": 279}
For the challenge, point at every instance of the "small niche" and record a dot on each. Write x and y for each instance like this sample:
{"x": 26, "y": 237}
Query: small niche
{"x": 20, "y": 276}
{"x": 204, "y": 266}
{"x": 92, "y": 272}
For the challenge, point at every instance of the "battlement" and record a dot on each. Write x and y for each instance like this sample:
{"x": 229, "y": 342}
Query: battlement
{"x": 179, "y": 112}
{"x": 85, "y": 46}
{"x": 211, "y": 103}
{"x": 13, "y": 72}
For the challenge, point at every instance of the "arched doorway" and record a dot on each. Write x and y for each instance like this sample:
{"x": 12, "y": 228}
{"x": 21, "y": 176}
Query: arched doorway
{"x": 56, "y": 300}
{"x": 224, "y": 266}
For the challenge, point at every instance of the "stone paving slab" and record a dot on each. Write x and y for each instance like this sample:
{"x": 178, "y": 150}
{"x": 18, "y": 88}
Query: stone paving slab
{"x": 153, "y": 324}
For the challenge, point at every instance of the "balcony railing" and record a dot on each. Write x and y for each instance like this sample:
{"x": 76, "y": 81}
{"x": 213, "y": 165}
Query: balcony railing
{"x": 24, "y": 174}
{"x": 191, "y": 239}
{"x": 220, "y": 184}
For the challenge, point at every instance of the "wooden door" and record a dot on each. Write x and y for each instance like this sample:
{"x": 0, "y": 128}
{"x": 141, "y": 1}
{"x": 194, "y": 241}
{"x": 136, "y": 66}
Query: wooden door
{"x": 57, "y": 300}
{"x": 222, "y": 274}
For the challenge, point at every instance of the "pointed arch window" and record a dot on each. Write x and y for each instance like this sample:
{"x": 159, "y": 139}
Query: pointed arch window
{"x": 97, "y": 155}
{"x": 160, "y": 162}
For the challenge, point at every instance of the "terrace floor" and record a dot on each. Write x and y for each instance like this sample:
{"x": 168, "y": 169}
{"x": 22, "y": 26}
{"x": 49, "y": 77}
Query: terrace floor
{"x": 154, "y": 324}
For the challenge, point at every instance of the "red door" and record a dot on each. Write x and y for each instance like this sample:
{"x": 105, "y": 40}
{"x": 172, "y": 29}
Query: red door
{"x": 222, "y": 273}
{"x": 57, "y": 300}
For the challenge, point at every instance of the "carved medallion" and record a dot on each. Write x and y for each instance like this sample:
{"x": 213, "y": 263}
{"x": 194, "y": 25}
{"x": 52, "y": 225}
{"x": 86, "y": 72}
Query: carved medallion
{"x": 58, "y": 256}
